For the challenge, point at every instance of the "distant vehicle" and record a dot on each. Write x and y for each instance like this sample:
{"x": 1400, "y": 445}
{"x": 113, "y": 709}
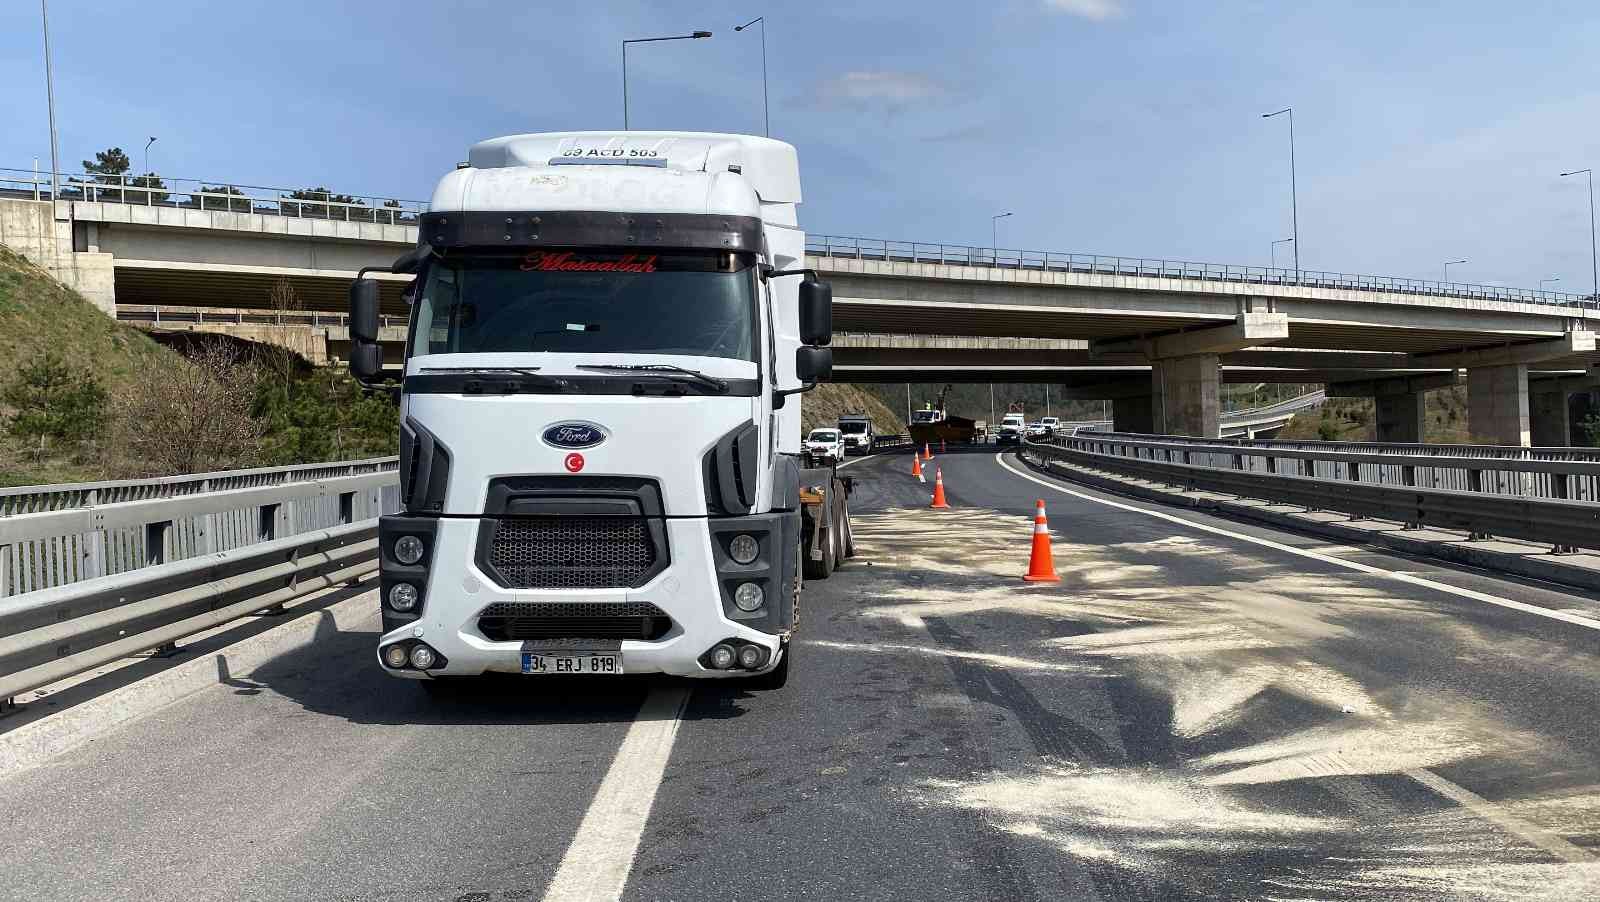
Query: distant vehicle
{"x": 825, "y": 445}
{"x": 1036, "y": 429}
{"x": 1052, "y": 425}
{"x": 933, "y": 425}
{"x": 1011, "y": 431}
{"x": 857, "y": 431}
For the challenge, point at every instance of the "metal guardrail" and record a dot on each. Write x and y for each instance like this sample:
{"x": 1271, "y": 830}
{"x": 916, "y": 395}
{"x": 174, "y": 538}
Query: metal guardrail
{"x": 50, "y": 635}
{"x": 56, "y": 535}
{"x": 217, "y": 195}
{"x": 243, "y": 317}
{"x": 1520, "y": 497}
{"x": 1099, "y": 264}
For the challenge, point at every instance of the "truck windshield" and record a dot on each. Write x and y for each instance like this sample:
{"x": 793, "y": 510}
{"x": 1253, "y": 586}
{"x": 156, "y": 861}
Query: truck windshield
{"x": 853, "y": 428}
{"x": 589, "y": 303}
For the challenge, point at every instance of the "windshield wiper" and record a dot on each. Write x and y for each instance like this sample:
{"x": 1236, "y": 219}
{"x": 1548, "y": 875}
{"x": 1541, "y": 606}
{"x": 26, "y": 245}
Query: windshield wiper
{"x": 502, "y": 380}
{"x": 685, "y": 374}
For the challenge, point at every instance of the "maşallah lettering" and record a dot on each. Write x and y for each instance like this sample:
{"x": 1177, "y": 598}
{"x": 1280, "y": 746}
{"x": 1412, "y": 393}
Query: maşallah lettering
{"x": 567, "y": 261}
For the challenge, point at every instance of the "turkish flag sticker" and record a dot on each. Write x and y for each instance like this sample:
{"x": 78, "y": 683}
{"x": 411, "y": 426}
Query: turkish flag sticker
{"x": 574, "y": 462}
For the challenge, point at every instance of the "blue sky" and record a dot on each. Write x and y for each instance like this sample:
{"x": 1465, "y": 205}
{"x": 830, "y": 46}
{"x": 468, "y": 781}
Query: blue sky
{"x": 1429, "y": 133}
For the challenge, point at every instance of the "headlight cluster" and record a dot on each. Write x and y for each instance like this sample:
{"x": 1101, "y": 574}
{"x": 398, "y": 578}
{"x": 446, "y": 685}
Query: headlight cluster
{"x": 406, "y": 597}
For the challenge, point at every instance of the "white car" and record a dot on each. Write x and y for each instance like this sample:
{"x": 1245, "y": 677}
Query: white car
{"x": 1011, "y": 430}
{"x": 1037, "y": 429}
{"x": 825, "y": 444}
{"x": 1051, "y": 425}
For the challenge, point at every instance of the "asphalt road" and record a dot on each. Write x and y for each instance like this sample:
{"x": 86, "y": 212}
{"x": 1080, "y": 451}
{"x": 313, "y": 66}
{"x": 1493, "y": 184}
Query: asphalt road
{"x": 1188, "y": 714}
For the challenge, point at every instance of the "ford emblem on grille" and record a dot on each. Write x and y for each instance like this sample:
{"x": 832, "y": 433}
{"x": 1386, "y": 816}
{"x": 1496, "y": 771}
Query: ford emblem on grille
{"x": 575, "y": 435}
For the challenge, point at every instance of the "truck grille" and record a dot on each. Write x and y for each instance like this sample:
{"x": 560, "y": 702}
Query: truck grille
{"x": 571, "y": 552}
{"x": 511, "y": 620}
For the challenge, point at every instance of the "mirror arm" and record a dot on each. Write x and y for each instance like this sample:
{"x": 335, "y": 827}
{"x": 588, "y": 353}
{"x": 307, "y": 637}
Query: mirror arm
{"x": 780, "y": 395}
{"x": 778, "y": 274}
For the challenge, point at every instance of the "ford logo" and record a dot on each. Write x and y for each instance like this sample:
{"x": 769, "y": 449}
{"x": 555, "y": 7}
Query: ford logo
{"x": 575, "y": 435}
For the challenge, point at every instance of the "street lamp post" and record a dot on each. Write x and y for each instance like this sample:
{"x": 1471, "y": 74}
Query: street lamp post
{"x": 1294, "y": 188}
{"x": 676, "y": 37}
{"x": 1594, "y": 267}
{"x": 50, "y": 95}
{"x": 147, "y": 154}
{"x": 766, "y": 113}
{"x": 1450, "y": 263}
{"x": 1275, "y": 249}
{"x": 994, "y": 236}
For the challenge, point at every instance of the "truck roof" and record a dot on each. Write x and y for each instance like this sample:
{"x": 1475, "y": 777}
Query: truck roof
{"x": 625, "y": 171}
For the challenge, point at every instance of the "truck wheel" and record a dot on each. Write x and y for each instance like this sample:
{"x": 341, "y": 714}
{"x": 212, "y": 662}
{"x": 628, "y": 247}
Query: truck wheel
{"x": 821, "y": 569}
{"x": 777, "y": 677}
{"x": 836, "y": 538}
{"x": 849, "y": 534}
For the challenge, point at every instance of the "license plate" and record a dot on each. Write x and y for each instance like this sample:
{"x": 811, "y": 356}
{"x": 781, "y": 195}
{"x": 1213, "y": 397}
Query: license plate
{"x": 543, "y": 665}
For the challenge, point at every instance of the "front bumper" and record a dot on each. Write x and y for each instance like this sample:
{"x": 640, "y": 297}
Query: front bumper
{"x": 694, "y": 590}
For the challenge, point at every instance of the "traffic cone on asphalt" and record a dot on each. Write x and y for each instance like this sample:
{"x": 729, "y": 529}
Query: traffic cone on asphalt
{"x": 926, "y": 453}
{"x": 916, "y": 467}
{"x": 1041, "y": 565}
{"x": 938, "y": 490}
{"x": 941, "y": 446}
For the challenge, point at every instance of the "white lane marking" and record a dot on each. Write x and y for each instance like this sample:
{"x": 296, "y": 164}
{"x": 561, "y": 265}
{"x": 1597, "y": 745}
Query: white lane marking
{"x": 1531, "y": 833}
{"x": 1466, "y": 798}
{"x": 596, "y": 864}
{"x": 1563, "y": 616}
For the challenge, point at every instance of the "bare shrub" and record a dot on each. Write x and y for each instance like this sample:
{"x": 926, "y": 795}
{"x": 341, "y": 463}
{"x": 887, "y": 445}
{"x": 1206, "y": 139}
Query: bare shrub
{"x": 194, "y": 419}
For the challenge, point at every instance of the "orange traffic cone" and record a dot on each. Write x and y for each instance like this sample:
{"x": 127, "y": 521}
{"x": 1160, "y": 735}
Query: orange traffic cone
{"x": 941, "y": 446}
{"x": 1041, "y": 566}
{"x": 926, "y": 453}
{"x": 916, "y": 467}
{"x": 938, "y": 490}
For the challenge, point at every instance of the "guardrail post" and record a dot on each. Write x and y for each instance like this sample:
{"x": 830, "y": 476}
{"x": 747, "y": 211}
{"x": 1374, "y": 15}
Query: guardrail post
{"x": 5, "y": 570}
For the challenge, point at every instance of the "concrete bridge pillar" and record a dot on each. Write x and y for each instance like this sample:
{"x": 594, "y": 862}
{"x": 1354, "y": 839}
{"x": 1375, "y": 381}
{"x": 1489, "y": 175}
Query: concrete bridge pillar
{"x": 1400, "y": 417}
{"x": 1184, "y": 395}
{"x": 1551, "y": 420}
{"x": 1497, "y": 404}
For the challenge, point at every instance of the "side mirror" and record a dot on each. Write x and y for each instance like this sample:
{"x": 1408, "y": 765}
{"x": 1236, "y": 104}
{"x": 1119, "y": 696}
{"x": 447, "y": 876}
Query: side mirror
{"x": 366, "y": 360}
{"x": 813, "y": 364}
{"x": 363, "y": 311}
{"x": 816, "y": 313}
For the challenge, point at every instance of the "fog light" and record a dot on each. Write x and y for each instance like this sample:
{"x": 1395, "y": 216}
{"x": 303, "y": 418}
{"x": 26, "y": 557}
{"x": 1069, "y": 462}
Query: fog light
{"x": 403, "y": 596}
{"x": 408, "y": 549}
{"x": 722, "y": 657}
{"x": 422, "y": 657}
{"x": 751, "y": 656}
{"x": 395, "y": 656}
{"x": 744, "y": 548}
{"x": 748, "y": 597}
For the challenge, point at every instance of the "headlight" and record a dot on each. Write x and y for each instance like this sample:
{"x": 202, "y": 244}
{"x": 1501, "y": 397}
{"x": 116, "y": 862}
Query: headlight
{"x": 751, "y": 656}
{"x": 408, "y": 549}
{"x": 722, "y": 657}
{"x": 403, "y": 596}
{"x": 748, "y": 597}
{"x": 744, "y": 548}
{"x": 422, "y": 657}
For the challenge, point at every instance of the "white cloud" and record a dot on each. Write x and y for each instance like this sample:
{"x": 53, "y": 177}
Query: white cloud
{"x": 885, "y": 90}
{"x": 1097, "y": 10}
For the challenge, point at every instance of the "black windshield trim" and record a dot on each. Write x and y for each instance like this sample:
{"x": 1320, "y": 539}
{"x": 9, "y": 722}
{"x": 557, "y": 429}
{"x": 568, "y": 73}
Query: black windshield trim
{"x": 503, "y": 229}
{"x": 622, "y": 384}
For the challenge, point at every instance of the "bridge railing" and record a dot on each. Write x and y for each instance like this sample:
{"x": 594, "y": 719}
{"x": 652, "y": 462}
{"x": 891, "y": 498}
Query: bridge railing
{"x": 242, "y": 317}
{"x": 56, "y": 535}
{"x": 1537, "y": 494}
{"x": 1099, "y": 264}
{"x": 215, "y": 195}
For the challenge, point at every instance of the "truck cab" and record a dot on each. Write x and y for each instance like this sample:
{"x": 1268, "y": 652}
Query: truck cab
{"x": 599, "y": 448}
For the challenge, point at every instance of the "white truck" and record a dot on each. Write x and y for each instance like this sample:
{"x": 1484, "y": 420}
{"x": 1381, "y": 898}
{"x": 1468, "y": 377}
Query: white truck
{"x": 1013, "y": 429}
{"x": 857, "y": 431}
{"x": 599, "y": 448}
